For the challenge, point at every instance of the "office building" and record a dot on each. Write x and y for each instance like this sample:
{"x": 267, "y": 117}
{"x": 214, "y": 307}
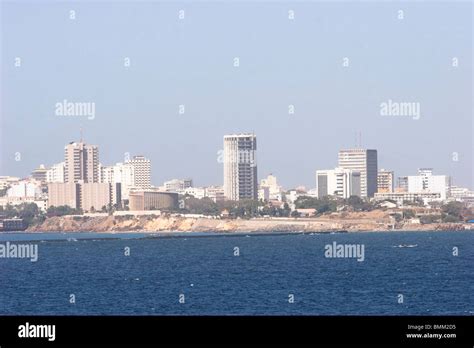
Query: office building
{"x": 81, "y": 163}
{"x": 60, "y": 194}
{"x": 56, "y": 173}
{"x": 141, "y": 172}
{"x": 240, "y": 167}
{"x": 425, "y": 181}
{"x": 385, "y": 181}
{"x": 402, "y": 185}
{"x": 365, "y": 162}
{"x": 338, "y": 182}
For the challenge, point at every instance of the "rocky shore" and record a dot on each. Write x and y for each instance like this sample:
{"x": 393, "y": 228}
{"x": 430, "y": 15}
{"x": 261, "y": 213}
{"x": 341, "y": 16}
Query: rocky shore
{"x": 352, "y": 223}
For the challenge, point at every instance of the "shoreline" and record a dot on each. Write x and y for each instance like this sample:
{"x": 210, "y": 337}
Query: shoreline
{"x": 167, "y": 225}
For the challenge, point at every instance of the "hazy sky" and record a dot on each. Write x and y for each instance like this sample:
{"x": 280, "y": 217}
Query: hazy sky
{"x": 190, "y": 61}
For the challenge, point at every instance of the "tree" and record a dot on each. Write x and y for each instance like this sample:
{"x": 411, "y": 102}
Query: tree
{"x": 62, "y": 210}
{"x": 322, "y": 205}
{"x": 409, "y": 214}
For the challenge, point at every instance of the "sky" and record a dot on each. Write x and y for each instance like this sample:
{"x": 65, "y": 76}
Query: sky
{"x": 282, "y": 62}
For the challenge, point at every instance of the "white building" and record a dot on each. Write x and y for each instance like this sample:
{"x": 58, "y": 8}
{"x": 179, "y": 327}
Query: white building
{"x": 264, "y": 193}
{"x": 55, "y": 173}
{"x": 365, "y": 162}
{"x": 23, "y": 189}
{"x": 270, "y": 182}
{"x": 338, "y": 182}
{"x": 216, "y": 193}
{"x": 400, "y": 197}
{"x": 7, "y": 181}
{"x": 120, "y": 173}
{"x": 425, "y": 181}
{"x": 142, "y": 171}
{"x": 462, "y": 194}
{"x": 240, "y": 166}
{"x": 196, "y": 192}
{"x": 177, "y": 185}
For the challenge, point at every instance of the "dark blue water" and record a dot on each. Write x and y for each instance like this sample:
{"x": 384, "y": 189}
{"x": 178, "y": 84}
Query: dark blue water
{"x": 259, "y": 281}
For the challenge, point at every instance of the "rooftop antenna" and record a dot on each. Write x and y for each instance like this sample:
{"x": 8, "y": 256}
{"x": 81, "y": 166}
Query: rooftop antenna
{"x": 81, "y": 133}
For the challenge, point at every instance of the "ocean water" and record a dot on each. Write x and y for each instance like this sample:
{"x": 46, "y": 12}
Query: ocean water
{"x": 269, "y": 270}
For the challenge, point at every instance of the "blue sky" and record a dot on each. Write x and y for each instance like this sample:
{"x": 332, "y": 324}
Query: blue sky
{"x": 282, "y": 62}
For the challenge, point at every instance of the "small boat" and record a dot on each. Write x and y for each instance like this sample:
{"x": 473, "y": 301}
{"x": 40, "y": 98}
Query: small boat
{"x": 406, "y": 246}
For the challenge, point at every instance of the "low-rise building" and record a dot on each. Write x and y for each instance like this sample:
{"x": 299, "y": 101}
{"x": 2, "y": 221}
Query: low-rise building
{"x": 400, "y": 197}
{"x": 152, "y": 200}
{"x": 338, "y": 182}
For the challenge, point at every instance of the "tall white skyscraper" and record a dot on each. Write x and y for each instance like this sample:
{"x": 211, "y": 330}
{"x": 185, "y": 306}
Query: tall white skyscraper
{"x": 81, "y": 163}
{"x": 240, "y": 167}
{"x": 365, "y": 162}
{"x": 141, "y": 171}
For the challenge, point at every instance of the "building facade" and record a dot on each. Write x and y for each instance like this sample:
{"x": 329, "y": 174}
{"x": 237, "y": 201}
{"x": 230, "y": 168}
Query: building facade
{"x": 141, "y": 171}
{"x": 425, "y": 181}
{"x": 365, "y": 162}
{"x": 39, "y": 174}
{"x": 400, "y": 197}
{"x": 402, "y": 185}
{"x": 270, "y": 182}
{"x": 152, "y": 200}
{"x": 81, "y": 163}
{"x": 56, "y": 173}
{"x": 60, "y": 194}
{"x": 385, "y": 181}
{"x": 338, "y": 182}
{"x": 177, "y": 185}
{"x": 95, "y": 196}
{"x": 240, "y": 167}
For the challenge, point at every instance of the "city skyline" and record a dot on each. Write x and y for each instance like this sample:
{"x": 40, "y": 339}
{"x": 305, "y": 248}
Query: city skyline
{"x": 249, "y": 157}
{"x": 305, "y": 102}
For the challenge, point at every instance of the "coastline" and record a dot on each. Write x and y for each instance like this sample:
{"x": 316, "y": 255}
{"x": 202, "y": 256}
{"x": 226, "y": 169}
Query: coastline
{"x": 182, "y": 225}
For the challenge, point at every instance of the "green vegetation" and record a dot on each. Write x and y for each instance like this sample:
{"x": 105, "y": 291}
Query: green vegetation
{"x": 322, "y": 205}
{"x": 245, "y": 209}
{"x": 408, "y": 214}
{"x": 29, "y": 212}
{"x": 330, "y": 204}
{"x": 62, "y": 210}
{"x": 453, "y": 212}
{"x": 430, "y": 219}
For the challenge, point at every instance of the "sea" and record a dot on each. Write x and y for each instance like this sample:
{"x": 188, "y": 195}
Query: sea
{"x": 401, "y": 273}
